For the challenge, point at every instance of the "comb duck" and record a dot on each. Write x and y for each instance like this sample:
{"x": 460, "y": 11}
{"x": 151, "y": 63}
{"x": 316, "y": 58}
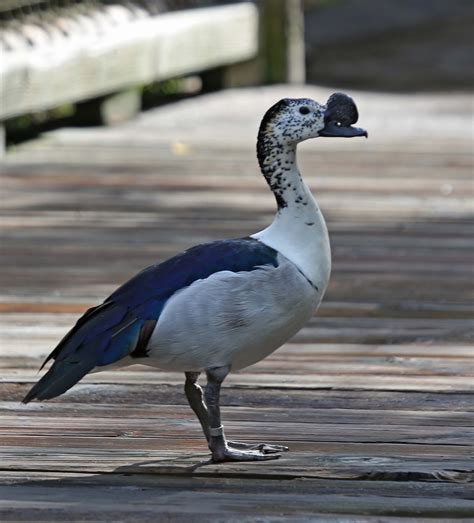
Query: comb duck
{"x": 224, "y": 305}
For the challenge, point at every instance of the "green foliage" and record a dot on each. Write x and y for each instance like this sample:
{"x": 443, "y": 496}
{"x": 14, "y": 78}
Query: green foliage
{"x": 22, "y": 123}
{"x": 164, "y": 87}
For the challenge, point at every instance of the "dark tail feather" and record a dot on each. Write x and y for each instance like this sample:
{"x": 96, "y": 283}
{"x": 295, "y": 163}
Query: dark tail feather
{"x": 60, "y": 377}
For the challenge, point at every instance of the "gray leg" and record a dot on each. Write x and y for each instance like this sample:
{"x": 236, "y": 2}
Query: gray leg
{"x": 196, "y": 401}
{"x": 220, "y": 448}
{"x": 194, "y": 394}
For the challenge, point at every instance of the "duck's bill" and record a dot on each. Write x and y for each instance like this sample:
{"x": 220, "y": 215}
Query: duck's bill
{"x": 342, "y": 131}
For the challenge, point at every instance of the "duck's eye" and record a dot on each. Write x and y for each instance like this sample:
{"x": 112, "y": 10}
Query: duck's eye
{"x": 304, "y": 110}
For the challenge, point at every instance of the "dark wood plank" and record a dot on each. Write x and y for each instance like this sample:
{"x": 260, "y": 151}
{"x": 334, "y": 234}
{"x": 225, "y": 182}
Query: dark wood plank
{"x": 147, "y": 497}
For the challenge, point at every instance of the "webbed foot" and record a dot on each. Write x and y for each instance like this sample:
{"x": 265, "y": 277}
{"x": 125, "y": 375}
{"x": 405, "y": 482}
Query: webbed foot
{"x": 266, "y": 448}
{"x": 228, "y": 453}
{"x": 208, "y": 412}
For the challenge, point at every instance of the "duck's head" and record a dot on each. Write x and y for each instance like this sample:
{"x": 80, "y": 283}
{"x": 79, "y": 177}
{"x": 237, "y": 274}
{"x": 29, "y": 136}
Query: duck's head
{"x": 293, "y": 120}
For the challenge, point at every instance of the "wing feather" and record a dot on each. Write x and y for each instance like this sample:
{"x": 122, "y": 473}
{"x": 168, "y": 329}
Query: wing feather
{"x": 123, "y": 324}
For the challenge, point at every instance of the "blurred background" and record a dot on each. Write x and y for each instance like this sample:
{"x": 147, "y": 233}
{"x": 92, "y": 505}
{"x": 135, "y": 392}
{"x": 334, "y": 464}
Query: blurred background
{"x": 59, "y": 56}
{"x": 390, "y": 45}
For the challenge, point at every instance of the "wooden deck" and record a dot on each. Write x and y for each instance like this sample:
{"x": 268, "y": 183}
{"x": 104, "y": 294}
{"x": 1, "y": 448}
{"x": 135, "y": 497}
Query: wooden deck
{"x": 374, "y": 396}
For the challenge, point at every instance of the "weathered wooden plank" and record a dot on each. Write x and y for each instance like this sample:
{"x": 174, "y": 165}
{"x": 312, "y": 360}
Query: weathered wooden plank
{"x": 364, "y": 206}
{"x": 446, "y": 456}
{"x": 114, "y": 497}
{"x": 289, "y": 398}
{"x": 376, "y": 372}
{"x": 52, "y": 323}
{"x": 249, "y": 484}
{"x": 24, "y": 304}
{"x": 436, "y": 356}
{"x": 196, "y": 177}
{"x": 37, "y": 224}
{"x": 44, "y": 417}
{"x": 241, "y": 426}
{"x": 325, "y": 330}
{"x": 175, "y": 462}
{"x": 283, "y": 381}
{"x": 272, "y": 414}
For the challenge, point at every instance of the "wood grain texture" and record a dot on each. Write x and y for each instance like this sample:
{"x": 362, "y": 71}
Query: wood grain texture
{"x": 374, "y": 396}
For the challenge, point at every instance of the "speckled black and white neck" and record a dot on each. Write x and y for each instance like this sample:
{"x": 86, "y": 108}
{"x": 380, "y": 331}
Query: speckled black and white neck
{"x": 298, "y": 230}
{"x": 279, "y": 134}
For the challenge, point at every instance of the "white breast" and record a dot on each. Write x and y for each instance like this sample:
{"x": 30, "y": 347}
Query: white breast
{"x": 232, "y": 318}
{"x": 300, "y": 234}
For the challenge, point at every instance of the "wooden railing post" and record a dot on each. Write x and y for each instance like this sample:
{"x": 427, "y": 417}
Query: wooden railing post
{"x": 3, "y": 140}
{"x": 110, "y": 109}
{"x": 282, "y": 41}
